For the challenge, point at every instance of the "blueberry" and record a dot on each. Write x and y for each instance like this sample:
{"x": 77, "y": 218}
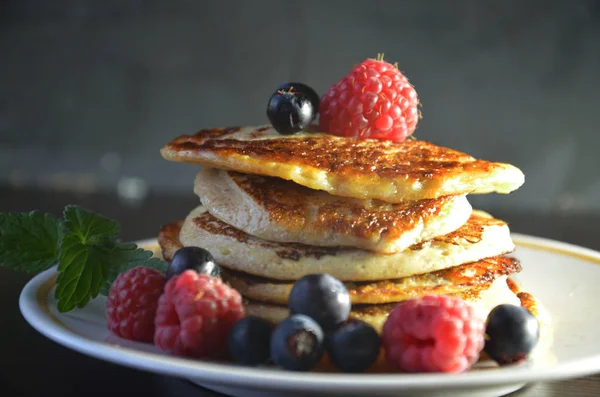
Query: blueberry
{"x": 306, "y": 90}
{"x": 194, "y": 258}
{"x": 512, "y": 333}
{"x": 297, "y": 343}
{"x": 321, "y": 297}
{"x": 249, "y": 341}
{"x": 290, "y": 111}
{"x": 353, "y": 346}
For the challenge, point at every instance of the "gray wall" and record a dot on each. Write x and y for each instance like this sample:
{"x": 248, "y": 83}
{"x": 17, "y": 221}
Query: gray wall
{"x": 90, "y": 90}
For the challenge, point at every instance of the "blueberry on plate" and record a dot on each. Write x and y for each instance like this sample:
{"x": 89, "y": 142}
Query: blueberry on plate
{"x": 353, "y": 346}
{"x": 249, "y": 341}
{"x": 512, "y": 332}
{"x": 321, "y": 297}
{"x": 290, "y": 111}
{"x": 304, "y": 89}
{"x": 297, "y": 343}
{"x": 193, "y": 258}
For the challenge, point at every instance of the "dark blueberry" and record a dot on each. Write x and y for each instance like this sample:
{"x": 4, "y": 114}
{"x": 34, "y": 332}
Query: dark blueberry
{"x": 193, "y": 258}
{"x": 290, "y": 111}
{"x": 297, "y": 343}
{"x": 353, "y": 346}
{"x": 321, "y": 297}
{"x": 306, "y": 90}
{"x": 250, "y": 341}
{"x": 512, "y": 332}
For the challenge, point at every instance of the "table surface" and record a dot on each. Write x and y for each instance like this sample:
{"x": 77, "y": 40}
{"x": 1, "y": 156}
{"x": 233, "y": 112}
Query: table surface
{"x": 33, "y": 366}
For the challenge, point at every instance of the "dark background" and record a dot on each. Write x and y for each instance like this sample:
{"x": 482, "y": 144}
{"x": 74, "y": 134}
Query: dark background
{"x": 90, "y": 90}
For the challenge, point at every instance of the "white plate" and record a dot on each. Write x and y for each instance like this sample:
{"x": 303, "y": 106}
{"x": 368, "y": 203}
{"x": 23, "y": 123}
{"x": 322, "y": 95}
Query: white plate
{"x": 564, "y": 277}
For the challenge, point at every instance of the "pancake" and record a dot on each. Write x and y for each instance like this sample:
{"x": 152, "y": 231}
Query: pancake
{"x": 532, "y": 304}
{"x": 481, "y": 237}
{"x": 482, "y": 299}
{"x": 168, "y": 240}
{"x": 365, "y": 169}
{"x": 278, "y": 210}
{"x": 477, "y": 275}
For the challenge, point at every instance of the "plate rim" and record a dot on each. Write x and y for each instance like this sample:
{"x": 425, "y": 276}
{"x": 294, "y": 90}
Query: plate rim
{"x": 41, "y": 319}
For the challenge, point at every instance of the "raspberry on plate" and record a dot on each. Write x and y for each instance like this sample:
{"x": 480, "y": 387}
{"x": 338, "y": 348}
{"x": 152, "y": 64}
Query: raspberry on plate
{"x": 375, "y": 100}
{"x": 433, "y": 334}
{"x": 195, "y": 314}
{"x": 132, "y": 303}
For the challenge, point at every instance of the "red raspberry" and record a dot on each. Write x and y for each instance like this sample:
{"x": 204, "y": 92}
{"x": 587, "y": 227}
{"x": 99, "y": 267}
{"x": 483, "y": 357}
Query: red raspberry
{"x": 375, "y": 100}
{"x": 132, "y": 302}
{"x": 433, "y": 334}
{"x": 195, "y": 314}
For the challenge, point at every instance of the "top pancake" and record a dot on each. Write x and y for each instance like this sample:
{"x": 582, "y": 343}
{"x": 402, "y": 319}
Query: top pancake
{"x": 365, "y": 169}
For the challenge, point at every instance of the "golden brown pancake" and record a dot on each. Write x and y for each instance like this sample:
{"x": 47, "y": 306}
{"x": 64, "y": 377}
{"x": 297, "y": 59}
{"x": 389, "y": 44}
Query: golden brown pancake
{"x": 481, "y": 237}
{"x": 475, "y": 275}
{"x": 365, "y": 169}
{"x": 457, "y": 279}
{"x": 168, "y": 240}
{"x": 482, "y": 299}
{"x": 278, "y": 210}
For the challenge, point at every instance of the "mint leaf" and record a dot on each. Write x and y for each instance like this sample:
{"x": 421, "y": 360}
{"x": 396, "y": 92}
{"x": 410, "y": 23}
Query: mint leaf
{"x": 82, "y": 270}
{"x": 128, "y": 256}
{"x": 89, "y": 227}
{"x": 88, "y": 270}
{"x": 84, "y": 246}
{"x": 29, "y": 241}
{"x": 85, "y": 257}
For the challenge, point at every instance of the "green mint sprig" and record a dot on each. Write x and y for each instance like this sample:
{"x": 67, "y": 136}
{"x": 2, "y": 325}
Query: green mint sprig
{"x": 83, "y": 245}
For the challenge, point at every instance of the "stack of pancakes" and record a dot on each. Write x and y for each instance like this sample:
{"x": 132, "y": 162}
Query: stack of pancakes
{"x": 391, "y": 220}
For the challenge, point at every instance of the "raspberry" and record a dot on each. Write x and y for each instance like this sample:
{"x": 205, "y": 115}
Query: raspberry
{"x": 375, "y": 100}
{"x": 195, "y": 314}
{"x": 433, "y": 334}
{"x": 132, "y": 302}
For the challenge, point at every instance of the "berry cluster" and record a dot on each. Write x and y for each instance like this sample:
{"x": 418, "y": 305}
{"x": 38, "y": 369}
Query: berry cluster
{"x": 318, "y": 323}
{"x": 189, "y": 312}
{"x": 319, "y": 307}
{"x": 375, "y": 100}
{"x": 444, "y": 334}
